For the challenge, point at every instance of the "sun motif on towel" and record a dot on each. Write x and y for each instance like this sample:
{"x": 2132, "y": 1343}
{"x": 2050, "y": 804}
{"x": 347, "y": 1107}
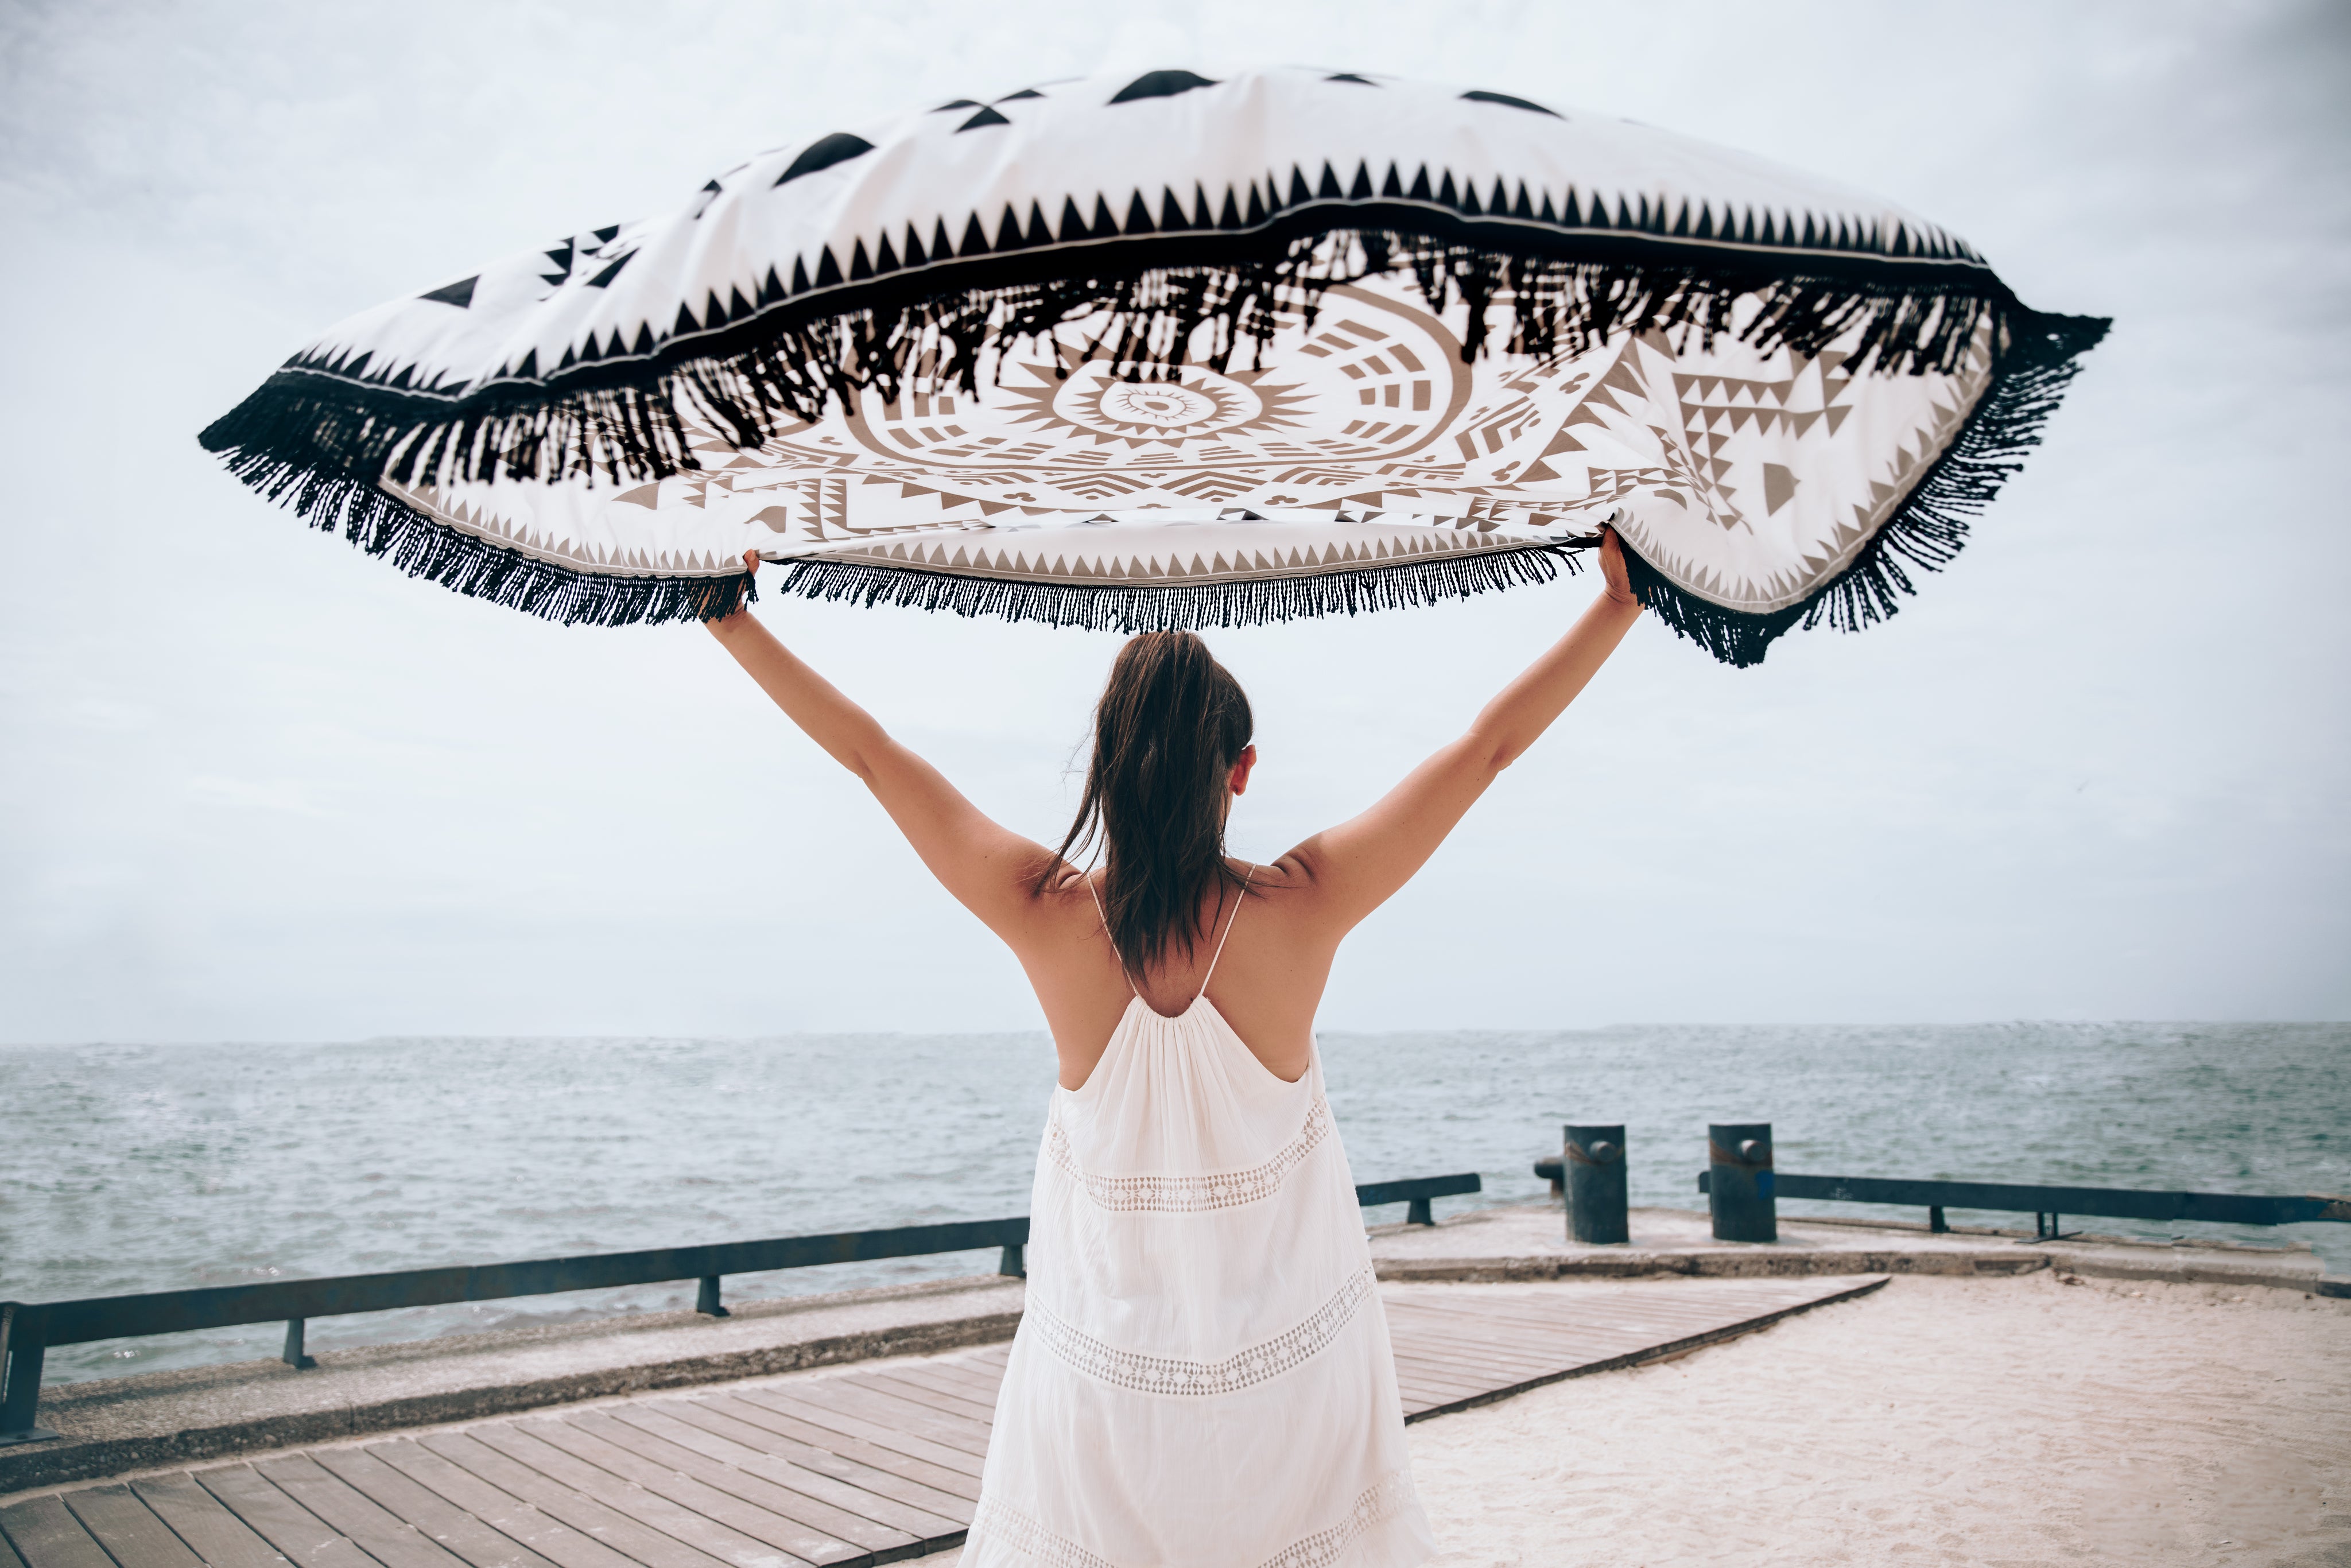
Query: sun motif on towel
{"x": 1094, "y": 400}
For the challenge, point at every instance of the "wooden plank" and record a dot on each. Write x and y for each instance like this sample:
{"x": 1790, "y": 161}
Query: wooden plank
{"x": 1408, "y": 1320}
{"x": 450, "y": 1527}
{"x": 641, "y": 1504}
{"x": 218, "y": 1536}
{"x": 502, "y": 1512}
{"x": 1637, "y": 1308}
{"x": 818, "y": 1449}
{"x": 277, "y": 1518}
{"x": 47, "y": 1535}
{"x": 1699, "y": 1335}
{"x": 953, "y": 1412}
{"x": 1624, "y": 1326}
{"x": 921, "y": 1524}
{"x": 827, "y": 1421}
{"x": 1465, "y": 1367}
{"x": 580, "y": 1436}
{"x": 914, "y": 1506}
{"x": 983, "y": 1383}
{"x": 980, "y": 1406}
{"x": 952, "y": 1402}
{"x": 1482, "y": 1357}
{"x": 1433, "y": 1388}
{"x": 1661, "y": 1314}
{"x": 649, "y": 1439}
{"x": 129, "y": 1529}
{"x": 1465, "y": 1364}
{"x": 1507, "y": 1359}
{"x": 1450, "y": 1374}
{"x": 833, "y": 1456}
{"x": 392, "y": 1541}
{"x": 1415, "y": 1320}
{"x": 853, "y": 1396}
{"x": 1570, "y": 1305}
{"x": 622, "y": 1531}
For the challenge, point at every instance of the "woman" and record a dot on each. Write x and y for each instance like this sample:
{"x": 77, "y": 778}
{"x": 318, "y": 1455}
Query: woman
{"x": 1202, "y": 1374}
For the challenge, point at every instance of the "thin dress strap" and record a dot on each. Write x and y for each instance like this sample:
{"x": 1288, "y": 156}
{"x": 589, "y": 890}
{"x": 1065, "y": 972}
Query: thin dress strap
{"x": 1229, "y": 922}
{"x": 1123, "y": 972}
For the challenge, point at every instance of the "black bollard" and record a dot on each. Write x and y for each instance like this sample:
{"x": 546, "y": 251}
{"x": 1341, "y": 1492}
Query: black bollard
{"x": 1738, "y": 1181}
{"x": 1595, "y": 1184}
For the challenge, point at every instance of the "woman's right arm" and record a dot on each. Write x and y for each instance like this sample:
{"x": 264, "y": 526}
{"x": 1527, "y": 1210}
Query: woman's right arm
{"x": 987, "y": 866}
{"x": 1357, "y": 866}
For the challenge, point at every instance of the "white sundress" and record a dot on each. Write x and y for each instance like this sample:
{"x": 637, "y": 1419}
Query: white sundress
{"x": 1202, "y": 1376}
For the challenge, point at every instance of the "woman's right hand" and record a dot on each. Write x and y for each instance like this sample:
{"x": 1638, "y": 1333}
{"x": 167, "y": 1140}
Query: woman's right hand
{"x": 1611, "y": 569}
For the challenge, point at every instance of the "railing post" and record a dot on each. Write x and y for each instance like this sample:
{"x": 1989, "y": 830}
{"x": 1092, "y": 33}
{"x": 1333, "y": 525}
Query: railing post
{"x": 293, "y": 1355}
{"x": 1595, "y": 1157}
{"x": 1935, "y": 1224}
{"x": 1417, "y": 1212}
{"x": 1738, "y": 1181}
{"x": 21, "y": 1353}
{"x": 1013, "y": 1262}
{"x": 706, "y": 1300}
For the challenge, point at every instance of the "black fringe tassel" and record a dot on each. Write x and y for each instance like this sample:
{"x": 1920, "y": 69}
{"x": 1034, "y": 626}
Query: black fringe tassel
{"x": 618, "y": 416}
{"x": 425, "y": 546}
{"x": 1130, "y": 608}
{"x": 2029, "y": 377}
{"x": 319, "y": 439}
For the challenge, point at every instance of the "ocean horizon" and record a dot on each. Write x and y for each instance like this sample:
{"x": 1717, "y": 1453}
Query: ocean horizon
{"x": 147, "y": 1167}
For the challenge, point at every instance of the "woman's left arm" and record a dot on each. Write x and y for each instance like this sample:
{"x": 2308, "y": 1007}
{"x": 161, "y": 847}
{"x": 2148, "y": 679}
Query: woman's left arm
{"x": 987, "y": 866}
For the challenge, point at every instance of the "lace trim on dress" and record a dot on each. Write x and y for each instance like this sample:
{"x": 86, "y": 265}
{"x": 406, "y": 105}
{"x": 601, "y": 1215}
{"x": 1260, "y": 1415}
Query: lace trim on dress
{"x": 1166, "y": 1374}
{"x": 1001, "y": 1523}
{"x": 1192, "y": 1193}
{"x": 1379, "y": 1503}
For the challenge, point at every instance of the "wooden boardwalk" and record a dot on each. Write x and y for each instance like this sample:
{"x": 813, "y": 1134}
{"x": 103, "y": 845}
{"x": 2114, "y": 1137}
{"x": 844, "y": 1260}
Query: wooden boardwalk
{"x": 871, "y": 1464}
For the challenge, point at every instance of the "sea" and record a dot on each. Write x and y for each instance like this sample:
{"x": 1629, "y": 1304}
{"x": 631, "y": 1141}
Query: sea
{"x": 148, "y": 1167}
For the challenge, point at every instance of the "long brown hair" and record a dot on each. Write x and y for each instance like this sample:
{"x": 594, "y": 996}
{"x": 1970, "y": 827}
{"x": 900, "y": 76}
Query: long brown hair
{"x": 1171, "y": 724}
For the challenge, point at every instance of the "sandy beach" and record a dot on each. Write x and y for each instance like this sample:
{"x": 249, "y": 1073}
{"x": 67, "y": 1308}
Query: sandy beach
{"x": 2012, "y": 1422}
{"x": 1939, "y": 1421}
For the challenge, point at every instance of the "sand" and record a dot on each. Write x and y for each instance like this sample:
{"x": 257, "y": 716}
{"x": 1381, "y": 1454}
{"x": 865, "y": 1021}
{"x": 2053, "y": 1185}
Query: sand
{"x": 1940, "y": 1421}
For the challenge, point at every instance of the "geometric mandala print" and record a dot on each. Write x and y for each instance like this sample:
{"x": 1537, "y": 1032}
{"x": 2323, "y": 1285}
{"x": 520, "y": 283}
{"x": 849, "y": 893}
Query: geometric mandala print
{"x": 1371, "y": 422}
{"x": 1716, "y": 409}
{"x": 1706, "y": 453}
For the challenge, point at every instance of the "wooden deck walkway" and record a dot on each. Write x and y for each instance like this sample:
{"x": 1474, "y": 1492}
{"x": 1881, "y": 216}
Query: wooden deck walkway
{"x": 870, "y": 1464}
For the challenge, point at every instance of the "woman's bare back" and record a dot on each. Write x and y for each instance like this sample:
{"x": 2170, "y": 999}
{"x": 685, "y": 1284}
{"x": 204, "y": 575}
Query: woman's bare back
{"x": 1267, "y": 983}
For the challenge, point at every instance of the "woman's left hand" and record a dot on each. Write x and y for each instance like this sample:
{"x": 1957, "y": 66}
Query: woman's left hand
{"x": 742, "y": 611}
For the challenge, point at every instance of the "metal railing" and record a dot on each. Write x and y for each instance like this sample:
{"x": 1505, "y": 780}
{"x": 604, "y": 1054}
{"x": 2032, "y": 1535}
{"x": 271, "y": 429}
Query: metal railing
{"x": 29, "y": 1329}
{"x": 2046, "y": 1204}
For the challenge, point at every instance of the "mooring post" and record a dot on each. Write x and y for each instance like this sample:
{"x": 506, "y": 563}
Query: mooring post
{"x": 706, "y": 1300}
{"x": 1738, "y": 1181}
{"x": 1595, "y": 1157}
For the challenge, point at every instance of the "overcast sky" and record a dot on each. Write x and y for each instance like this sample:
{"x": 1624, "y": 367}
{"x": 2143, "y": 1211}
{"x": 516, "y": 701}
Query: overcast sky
{"x": 256, "y": 786}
